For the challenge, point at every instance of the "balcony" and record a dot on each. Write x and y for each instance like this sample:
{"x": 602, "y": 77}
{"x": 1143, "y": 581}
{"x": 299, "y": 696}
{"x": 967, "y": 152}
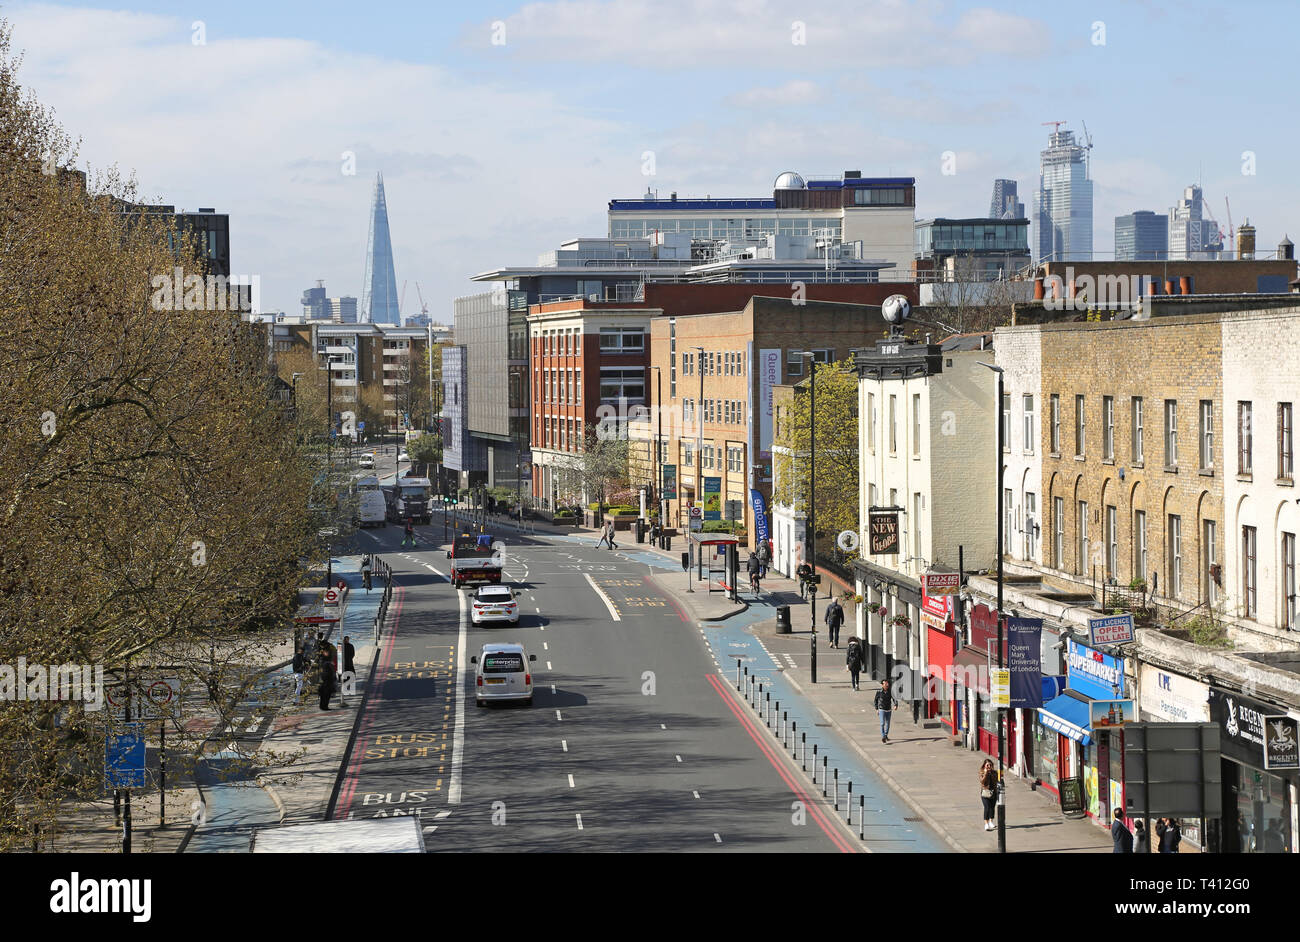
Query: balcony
{"x": 337, "y": 349}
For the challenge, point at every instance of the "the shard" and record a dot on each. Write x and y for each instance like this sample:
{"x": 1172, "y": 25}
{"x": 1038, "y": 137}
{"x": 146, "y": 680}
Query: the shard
{"x": 379, "y": 291}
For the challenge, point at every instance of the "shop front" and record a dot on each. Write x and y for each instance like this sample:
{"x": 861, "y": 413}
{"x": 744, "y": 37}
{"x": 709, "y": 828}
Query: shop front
{"x": 984, "y": 641}
{"x": 1166, "y": 697}
{"x": 941, "y": 646}
{"x": 1258, "y": 803}
{"x": 1091, "y": 759}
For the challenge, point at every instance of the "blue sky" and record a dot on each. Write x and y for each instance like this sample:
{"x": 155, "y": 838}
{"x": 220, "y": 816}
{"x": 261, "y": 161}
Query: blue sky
{"x": 494, "y": 153}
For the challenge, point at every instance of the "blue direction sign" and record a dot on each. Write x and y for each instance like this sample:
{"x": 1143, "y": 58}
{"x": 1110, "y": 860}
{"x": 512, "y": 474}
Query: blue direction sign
{"x": 124, "y": 759}
{"x": 361, "y": 426}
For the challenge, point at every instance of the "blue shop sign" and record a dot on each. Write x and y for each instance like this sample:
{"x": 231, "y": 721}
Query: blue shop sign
{"x": 1094, "y": 674}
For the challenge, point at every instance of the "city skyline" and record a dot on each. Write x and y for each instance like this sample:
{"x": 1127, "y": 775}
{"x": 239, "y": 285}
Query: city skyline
{"x": 583, "y": 151}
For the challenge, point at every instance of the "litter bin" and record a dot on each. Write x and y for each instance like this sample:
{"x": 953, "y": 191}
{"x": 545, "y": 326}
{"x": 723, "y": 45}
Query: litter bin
{"x": 783, "y": 619}
{"x": 640, "y": 530}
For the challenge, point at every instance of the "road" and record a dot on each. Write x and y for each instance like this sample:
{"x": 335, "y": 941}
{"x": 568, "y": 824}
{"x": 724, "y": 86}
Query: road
{"x": 633, "y": 743}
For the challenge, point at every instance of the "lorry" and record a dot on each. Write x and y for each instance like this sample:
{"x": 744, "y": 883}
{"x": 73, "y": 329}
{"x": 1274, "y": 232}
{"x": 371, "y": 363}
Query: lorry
{"x": 475, "y": 559}
{"x": 411, "y": 498}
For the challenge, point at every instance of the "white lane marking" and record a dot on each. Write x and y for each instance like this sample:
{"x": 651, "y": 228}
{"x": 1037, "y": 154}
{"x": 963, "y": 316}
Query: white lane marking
{"x": 427, "y": 566}
{"x": 548, "y": 667}
{"x": 571, "y": 785}
{"x": 717, "y": 837}
{"x": 679, "y": 758}
{"x": 443, "y": 814}
{"x": 552, "y": 685}
{"x": 545, "y": 646}
{"x": 696, "y": 794}
{"x": 564, "y": 744}
{"x": 662, "y": 726}
{"x": 537, "y": 610}
{"x": 458, "y": 739}
{"x": 613, "y": 612}
{"x": 557, "y": 715}
{"x": 579, "y": 817}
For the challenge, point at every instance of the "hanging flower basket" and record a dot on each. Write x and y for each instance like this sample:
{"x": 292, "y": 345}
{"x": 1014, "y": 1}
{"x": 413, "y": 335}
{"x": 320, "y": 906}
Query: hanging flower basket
{"x": 901, "y": 621}
{"x": 882, "y": 611}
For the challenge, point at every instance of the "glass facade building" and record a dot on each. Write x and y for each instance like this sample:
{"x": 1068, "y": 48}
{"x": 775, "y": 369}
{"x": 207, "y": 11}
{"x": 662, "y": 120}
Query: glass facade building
{"x": 379, "y": 301}
{"x": 1063, "y": 204}
{"x": 1141, "y": 236}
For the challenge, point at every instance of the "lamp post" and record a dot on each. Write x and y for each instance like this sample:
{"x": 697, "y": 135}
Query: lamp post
{"x": 1002, "y": 713}
{"x": 699, "y": 453}
{"x": 812, "y": 498}
{"x": 517, "y": 387}
{"x": 329, "y": 459}
{"x": 659, "y": 434}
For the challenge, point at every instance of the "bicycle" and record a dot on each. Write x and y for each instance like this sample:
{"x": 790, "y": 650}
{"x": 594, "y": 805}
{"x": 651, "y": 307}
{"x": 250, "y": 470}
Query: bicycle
{"x": 753, "y": 582}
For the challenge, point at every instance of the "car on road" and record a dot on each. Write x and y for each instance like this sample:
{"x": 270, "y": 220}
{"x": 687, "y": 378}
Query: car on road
{"x": 504, "y": 672}
{"x": 494, "y": 603}
{"x": 403, "y": 456}
{"x": 367, "y": 460}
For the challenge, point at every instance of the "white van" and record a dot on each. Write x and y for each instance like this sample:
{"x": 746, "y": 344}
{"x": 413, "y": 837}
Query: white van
{"x": 372, "y": 505}
{"x": 504, "y": 673}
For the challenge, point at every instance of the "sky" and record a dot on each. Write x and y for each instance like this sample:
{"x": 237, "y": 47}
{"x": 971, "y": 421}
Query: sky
{"x": 502, "y": 130}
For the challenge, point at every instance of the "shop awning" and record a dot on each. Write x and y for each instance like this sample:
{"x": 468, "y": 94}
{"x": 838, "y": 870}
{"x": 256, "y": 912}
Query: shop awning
{"x": 972, "y": 664}
{"x": 1068, "y": 715}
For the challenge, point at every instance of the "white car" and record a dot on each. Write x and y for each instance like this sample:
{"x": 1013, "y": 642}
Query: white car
{"x": 403, "y": 456}
{"x": 367, "y": 460}
{"x": 494, "y": 603}
{"x": 504, "y": 673}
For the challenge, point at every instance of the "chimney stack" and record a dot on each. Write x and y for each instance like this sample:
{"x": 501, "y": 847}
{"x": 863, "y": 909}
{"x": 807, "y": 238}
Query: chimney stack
{"x": 1246, "y": 241}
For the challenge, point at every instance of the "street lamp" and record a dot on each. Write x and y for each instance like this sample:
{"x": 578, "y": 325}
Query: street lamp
{"x": 329, "y": 459}
{"x": 658, "y": 465}
{"x": 812, "y": 496}
{"x": 699, "y": 459}
{"x": 1002, "y": 790}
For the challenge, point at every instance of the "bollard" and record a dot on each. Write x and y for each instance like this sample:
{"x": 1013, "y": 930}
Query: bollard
{"x": 862, "y": 817}
{"x": 815, "y": 765}
{"x": 836, "y": 803}
{"x": 794, "y": 737}
{"x": 848, "y": 803}
{"x": 785, "y": 741}
{"x": 767, "y": 701}
{"x": 825, "y": 763}
{"x": 803, "y": 751}
{"x": 737, "y": 673}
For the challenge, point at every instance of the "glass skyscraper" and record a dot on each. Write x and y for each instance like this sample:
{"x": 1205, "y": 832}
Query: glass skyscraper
{"x": 1141, "y": 236}
{"x": 379, "y": 302}
{"x": 1063, "y": 204}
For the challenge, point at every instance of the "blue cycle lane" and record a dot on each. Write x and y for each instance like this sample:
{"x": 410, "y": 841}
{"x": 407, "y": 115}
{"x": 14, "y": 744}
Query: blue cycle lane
{"x": 235, "y": 805}
{"x": 888, "y": 829}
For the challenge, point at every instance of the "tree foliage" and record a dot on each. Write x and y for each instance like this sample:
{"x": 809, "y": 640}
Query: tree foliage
{"x": 154, "y": 503}
{"x": 836, "y": 453}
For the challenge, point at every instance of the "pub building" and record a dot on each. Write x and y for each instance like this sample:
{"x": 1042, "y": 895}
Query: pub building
{"x": 1068, "y": 747}
{"x": 1259, "y": 810}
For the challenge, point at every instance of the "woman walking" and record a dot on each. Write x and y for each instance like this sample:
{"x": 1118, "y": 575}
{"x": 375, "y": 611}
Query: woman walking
{"x": 988, "y": 793}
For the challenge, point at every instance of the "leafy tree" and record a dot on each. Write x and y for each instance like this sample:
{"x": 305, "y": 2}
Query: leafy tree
{"x": 837, "y": 455}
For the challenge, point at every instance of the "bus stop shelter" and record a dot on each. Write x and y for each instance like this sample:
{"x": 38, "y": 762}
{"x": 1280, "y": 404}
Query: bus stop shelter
{"x": 714, "y": 546}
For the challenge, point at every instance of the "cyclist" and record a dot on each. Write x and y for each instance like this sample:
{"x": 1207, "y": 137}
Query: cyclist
{"x": 755, "y": 568}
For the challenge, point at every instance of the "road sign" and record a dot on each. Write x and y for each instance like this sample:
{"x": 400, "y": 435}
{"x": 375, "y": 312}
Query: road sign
{"x": 735, "y": 510}
{"x": 1001, "y": 687}
{"x": 697, "y": 523}
{"x": 151, "y": 698}
{"x": 361, "y": 426}
{"x": 331, "y": 596}
{"x": 124, "y": 758}
{"x": 697, "y": 512}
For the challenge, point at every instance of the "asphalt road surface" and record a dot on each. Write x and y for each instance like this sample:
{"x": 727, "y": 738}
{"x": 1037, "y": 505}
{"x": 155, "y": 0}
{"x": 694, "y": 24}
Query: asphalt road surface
{"x": 633, "y": 742}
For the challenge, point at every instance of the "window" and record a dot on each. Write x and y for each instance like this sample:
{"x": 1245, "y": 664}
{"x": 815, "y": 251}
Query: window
{"x": 672, "y": 358}
{"x": 1171, "y": 433}
{"x": 1108, "y": 428}
{"x": 1112, "y": 541}
{"x": 1285, "y": 438}
{"x": 564, "y": 386}
{"x": 871, "y": 421}
{"x": 572, "y": 387}
{"x": 1081, "y": 518}
{"x": 1005, "y": 430}
{"x": 1248, "y": 599}
{"x": 617, "y": 382}
{"x": 688, "y": 455}
{"x": 1245, "y": 445}
{"x": 1031, "y": 513}
{"x": 621, "y": 340}
{"x": 1140, "y": 545}
{"x": 706, "y": 457}
{"x": 1029, "y": 423}
{"x": 893, "y": 424}
{"x": 1288, "y": 581}
{"x": 686, "y": 363}
{"x": 1080, "y": 426}
{"x": 1058, "y": 531}
{"x": 1175, "y": 556}
{"x": 1056, "y": 424}
{"x": 735, "y": 461}
{"x": 1137, "y": 430}
{"x": 1206, "y": 438}
{"x": 916, "y": 425}
{"x": 916, "y": 526}
{"x": 1209, "y": 533}
{"x": 577, "y": 386}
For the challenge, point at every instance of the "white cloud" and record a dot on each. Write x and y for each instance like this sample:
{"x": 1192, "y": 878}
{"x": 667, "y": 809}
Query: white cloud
{"x": 758, "y": 34}
{"x": 794, "y": 92}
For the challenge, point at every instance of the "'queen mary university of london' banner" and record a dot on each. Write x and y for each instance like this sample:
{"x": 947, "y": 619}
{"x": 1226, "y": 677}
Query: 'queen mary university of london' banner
{"x": 1025, "y": 658}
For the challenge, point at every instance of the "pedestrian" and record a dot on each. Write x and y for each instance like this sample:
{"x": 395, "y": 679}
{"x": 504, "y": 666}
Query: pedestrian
{"x": 754, "y": 569}
{"x": 834, "y": 618}
{"x": 612, "y": 544}
{"x": 853, "y": 660}
{"x": 349, "y": 652}
{"x": 299, "y": 670}
{"x": 604, "y": 537}
{"x": 988, "y": 793}
{"x": 1171, "y": 835}
{"x": 1120, "y": 835}
{"x": 804, "y": 574}
{"x": 326, "y": 684}
{"x": 884, "y": 704}
{"x": 408, "y": 536}
{"x": 764, "y": 557}
{"x": 1141, "y": 839}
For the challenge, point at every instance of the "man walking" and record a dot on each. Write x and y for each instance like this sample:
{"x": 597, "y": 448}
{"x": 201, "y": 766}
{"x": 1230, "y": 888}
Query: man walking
{"x": 853, "y": 660}
{"x": 612, "y": 544}
{"x": 326, "y": 683}
{"x": 834, "y": 618}
{"x": 349, "y": 670}
{"x": 299, "y": 670}
{"x": 764, "y": 558}
{"x": 884, "y": 704}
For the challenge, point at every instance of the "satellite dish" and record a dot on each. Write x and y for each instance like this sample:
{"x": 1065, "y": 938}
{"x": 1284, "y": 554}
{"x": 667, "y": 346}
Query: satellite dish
{"x": 896, "y": 308}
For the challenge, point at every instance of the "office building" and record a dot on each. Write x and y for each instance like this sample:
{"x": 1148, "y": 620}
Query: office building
{"x": 1063, "y": 203}
{"x": 1193, "y": 235}
{"x": 1005, "y": 203}
{"x": 982, "y": 248}
{"x": 379, "y": 301}
{"x": 1141, "y": 236}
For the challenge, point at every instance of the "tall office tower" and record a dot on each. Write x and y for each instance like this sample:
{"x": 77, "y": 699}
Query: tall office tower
{"x": 1192, "y": 235}
{"x": 1006, "y": 203}
{"x": 343, "y": 310}
{"x": 379, "y": 288}
{"x": 315, "y": 306}
{"x": 1141, "y": 236}
{"x": 1063, "y": 204}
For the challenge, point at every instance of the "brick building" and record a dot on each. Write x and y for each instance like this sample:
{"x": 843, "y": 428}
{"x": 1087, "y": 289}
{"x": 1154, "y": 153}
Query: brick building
{"x": 1103, "y": 281}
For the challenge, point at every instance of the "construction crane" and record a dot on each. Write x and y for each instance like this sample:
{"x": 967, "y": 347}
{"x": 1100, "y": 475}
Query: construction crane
{"x": 401, "y": 302}
{"x": 1228, "y": 207}
{"x": 424, "y": 308}
{"x": 1056, "y": 125}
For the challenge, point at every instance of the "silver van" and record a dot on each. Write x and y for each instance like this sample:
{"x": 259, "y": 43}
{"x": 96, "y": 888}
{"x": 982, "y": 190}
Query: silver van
{"x": 504, "y": 672}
